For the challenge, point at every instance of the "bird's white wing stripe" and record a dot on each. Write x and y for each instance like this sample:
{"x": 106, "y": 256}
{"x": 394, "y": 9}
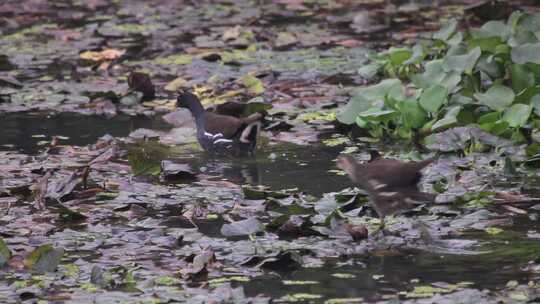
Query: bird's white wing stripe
{"x": 213, "y": 136}
{"x": 222, "y": 140}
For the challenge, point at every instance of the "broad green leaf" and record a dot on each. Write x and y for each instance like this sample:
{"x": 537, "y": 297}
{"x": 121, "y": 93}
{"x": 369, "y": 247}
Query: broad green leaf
{"x": 535, "y": 103}
{"x": 522, "y": 77}
{"x": 449, "y": 119}
{"x": 399, "y": 55}
{"x": 460, "y": 99}
{"x": 497, "y": 97}
{"x": 490, "y": 66}
{"x": 499, "y": 127}
{"x": 526, "y": 95}
{"x": 530, "y": 22}
{"x": 348, "y": 113}
{"x": 490, "y": 117}
{"x": 528, "y": 52}
{"x": 5, "y": 253}
{"x": 435, "y": 74}
{"x": 375, "y": 113}
{"x": 446, "y": 31}
{"x": 417, "y": 56}
{"x": 455, "y": 40}
{"x": 462, "y": 63}
{"x": 45, "y": 258}
{"x": 412, "y": 114}
{"x": 521, "y": 36}
{"x": 517, "y": 115}
{"x": 433, "y": 98}
{"x": 362, "y": 123}
{"x": 514, "y": 19}
{"x": 486, "y": 44}
{"x": 490, "y": 29}
{"x": 389, "y": 87}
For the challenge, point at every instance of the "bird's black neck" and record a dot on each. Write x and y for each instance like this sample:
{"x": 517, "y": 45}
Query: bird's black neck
{"x": 197, "y": 111}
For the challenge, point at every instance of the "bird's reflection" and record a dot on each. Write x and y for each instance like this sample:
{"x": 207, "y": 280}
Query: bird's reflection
{"x": 237, "y": 171}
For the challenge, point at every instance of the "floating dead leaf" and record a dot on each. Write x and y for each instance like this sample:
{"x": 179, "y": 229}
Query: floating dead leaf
{"x": 176, "y": 84}
{"x": 45, "y": 258}
{"x": 108, "y": 54}
{"x": 174, "y": 172}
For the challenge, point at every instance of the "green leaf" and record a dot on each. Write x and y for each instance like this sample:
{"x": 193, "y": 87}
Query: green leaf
{"x": 362, "y": 123}
{"x": 375, "y": 113}
{"x": 522, "y": 77}
{"x": 491, "y": 29}
{"x": 399, "y": 55}
{"x": 449, "y": 119}
{"x": 462, "y": 63}
{"x": 517, "y": 115}
{"x": 433, "y": 98}
{"x": 253, "y": 84}
{"x": 417, "y": 56}
{"x": 490, "y": 117}
{"x": 521, "y": 36}
{"x": 535, "y": 103}
{"x": 45, "y": 258}
{"x": 412, "y": 114}
{"x": 446, "y": 31}
{"x": 5, "y": 253}
{"x": 497, "y": 97}
{"x": 435, "y": 74}
{"x": 389, "y": 87}
{"x": 526, "y": 95}
{"x": 488, "y": 44}
{"x": 490, "y": 66}
{"x": 348, "y": 113}
{"x": 530, "y": 22}
{"x": 528, "y": 52}
{"x": 493, "y": 230}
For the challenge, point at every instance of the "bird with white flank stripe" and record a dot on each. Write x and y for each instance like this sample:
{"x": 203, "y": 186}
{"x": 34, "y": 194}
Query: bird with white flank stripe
{"x": 391, "y": 184}
{"x": 222, "y": 134}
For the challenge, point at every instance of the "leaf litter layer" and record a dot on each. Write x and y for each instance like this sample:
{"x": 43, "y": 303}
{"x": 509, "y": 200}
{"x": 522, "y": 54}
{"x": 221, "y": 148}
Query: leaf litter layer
{"x": 123, "y": 219}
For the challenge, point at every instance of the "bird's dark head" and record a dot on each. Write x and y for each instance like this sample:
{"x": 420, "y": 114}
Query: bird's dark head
{"x": 188, "y": 100}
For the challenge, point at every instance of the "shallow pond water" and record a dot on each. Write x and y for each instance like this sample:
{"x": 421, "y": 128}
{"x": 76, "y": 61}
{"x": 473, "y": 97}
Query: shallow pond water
{"x": 285, "y": 166}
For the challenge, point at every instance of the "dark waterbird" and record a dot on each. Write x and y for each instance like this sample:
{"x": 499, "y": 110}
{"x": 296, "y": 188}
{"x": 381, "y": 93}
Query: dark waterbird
{"x": 392, "y": 184}
{"x": 222, "y": 134}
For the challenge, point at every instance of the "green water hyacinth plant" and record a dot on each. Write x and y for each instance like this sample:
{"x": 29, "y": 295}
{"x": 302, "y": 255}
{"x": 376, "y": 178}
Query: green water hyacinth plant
{"x": 487, "y": 76}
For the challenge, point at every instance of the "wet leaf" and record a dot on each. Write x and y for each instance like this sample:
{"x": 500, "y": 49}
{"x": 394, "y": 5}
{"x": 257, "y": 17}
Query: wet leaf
{"x": 462, "y": 63}
{"x": 517, "y": 115}
{"x": 446, "y": 31}
{"x": 497, "y": 97}
{"x": 243, "y": 227}
{"x": 174, "y": 172}
{"x": 526, "y": 53}
{"x": 5, "y": 253}
{"x": 107, "y": 54}
{"x": 45, "y": 258}
{"x": 433, "y": 98}
{"x": 253, "y": 84}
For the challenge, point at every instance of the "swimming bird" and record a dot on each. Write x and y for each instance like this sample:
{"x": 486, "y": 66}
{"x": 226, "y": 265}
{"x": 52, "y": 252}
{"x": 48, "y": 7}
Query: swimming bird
{"x": 391, "y": 184}
{"x": 222, "y": 134}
